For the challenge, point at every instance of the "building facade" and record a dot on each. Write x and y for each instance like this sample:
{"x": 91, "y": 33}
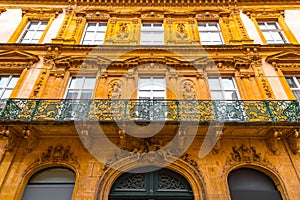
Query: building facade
{"x": 149, "y": 100}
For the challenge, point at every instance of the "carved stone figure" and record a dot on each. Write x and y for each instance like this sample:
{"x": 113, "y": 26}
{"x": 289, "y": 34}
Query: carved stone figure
{"x": 11, "y": 139}
{"x": 115, "y": 91}
{"x": 181, "y": 31}
{"x": 123, "y": 31}
{"x": 188, "y": 91}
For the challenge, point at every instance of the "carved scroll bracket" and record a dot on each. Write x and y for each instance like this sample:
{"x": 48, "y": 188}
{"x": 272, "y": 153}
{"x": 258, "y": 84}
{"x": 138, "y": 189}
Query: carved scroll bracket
{"x": 31, "y": 138}
{"x": 293, "y": 141}
{"x": 273, "y": 141}
{"x": 11, "y": 139}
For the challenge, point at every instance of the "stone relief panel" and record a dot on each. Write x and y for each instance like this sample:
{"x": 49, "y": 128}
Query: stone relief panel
{"x": 188, "y": 90}
{"x": 115, "y": 89}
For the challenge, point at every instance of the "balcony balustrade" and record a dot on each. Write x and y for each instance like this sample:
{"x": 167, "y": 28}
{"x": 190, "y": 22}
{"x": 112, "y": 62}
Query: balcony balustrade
{"x": 148, "y": 110}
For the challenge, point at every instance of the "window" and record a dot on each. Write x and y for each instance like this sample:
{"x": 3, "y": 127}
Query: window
{"x": 223, "y": 88}
{"x": 94, "y": 33}
{"x": 33, "y": 32}
{"x": 162, "y": 184}
{"x": 80, "y": 88}
{"x": 152, "y": 88}
{"x": 151, "y": 92}
{"x": 210, "y": 33}
{"x": 248, "y": 184}
{"x": 272, "y": 33}
{"x": 7, "y": 84}
{"x": 53, "y": 183}
{"x": 294, "y": 83}
{"x": 152, "y": 34}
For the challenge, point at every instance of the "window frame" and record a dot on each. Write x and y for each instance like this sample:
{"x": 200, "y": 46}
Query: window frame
{"x": 152, "y": 30}
{"x": 80, "y": 89}
{"x": 3, "y": 89}
{"x": 297, "y": 82}
{"x": 210, "y": 31}
{"x": 222, "y": 87}
{"x": 152, "y": 96}
{"x": 27, "y": 29}
{"x": 279, "y": 18}
{"x": 278, "y": 30}
{"x": 95, "y": 32}
{"x": 29, "y": 16}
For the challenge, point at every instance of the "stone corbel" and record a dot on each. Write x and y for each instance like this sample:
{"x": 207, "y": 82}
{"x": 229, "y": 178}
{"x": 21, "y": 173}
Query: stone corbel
{"x": 10, "y": 138}
{"x": 273, "y": 140}
{"x": 218, "y": 136}
{"x": 2, "y": 10}
{"x": 293, "y": 141}
{"x": 30, "y": 137}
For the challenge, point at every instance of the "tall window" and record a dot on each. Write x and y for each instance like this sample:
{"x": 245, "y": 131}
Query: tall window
{"x": 152, "y": 88}
{"x": 272, "y": 33}
{"x": 33, "y": 32}
{"x": 210, "y": 33}
{"x": 80, "y": 88}
{"x": 152, "y": 34}
{"x": 223, "y": 88}
{"x": 94, "y": 33}
{"x": 151, "y": 92}
{"x": 49, "y": 184}
{"x": 249, "y": 184}
{"x": 7, "y": 84}
{"x": 294, "y": 83}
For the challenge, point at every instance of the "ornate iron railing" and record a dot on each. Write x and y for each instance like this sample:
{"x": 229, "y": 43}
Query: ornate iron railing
{"x": 129, "y": 109}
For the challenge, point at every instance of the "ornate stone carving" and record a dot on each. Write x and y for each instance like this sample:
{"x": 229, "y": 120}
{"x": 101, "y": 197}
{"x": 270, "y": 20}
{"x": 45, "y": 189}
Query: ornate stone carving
{"x": 58, "y": 153}
{"x": 181, "y": 31}
{"x": 187, "y": 158}
{"x": 85, "y": 138}
{"x": 31, "y": 139}
{"x": 123, "y": 31}
{"x": 245, "y": 154}
{"x": 188, "y": 90}
{"x": 114, "y": 91}
{"x": 272, "y": 141}
{"x": 293, "y": 141}
{"x": 167, "y": 182}
{"x": 39, "y": 84}
{"x": 285, "y": 60}
{"x": 133, "y": 182}
{"x": 10, "y": 137}
{"x": 122, "y": 141}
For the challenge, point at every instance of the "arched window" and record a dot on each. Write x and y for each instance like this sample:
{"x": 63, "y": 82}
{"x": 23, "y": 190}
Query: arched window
{"x": 49, "y": 184}
{"x": 249, "y": 184}
{"x": 161, "y": 184}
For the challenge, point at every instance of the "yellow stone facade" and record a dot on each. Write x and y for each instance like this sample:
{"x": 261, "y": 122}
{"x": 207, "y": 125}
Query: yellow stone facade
{"x": 30, "y": 142}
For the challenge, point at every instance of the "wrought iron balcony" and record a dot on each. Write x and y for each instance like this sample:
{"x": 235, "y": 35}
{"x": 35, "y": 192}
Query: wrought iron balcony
{"x": 146, "y": 110}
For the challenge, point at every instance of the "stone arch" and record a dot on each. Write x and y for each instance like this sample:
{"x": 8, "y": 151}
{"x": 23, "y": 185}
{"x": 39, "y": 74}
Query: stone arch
{"x": 35, "y": 168}
{"x": 192, "y": 175}
{"x": 271, "y": 173}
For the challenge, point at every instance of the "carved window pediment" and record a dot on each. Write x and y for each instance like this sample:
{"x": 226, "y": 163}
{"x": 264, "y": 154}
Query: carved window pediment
{"x": 285, "y": 60}
{"x": 16, "y": 60}
{"x": 79, "y": 62}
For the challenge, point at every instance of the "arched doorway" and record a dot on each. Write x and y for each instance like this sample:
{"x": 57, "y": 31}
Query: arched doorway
{"x": 249, "y": 184}
{"x": 52, "y": 183}
{"x": 162, "y": 184}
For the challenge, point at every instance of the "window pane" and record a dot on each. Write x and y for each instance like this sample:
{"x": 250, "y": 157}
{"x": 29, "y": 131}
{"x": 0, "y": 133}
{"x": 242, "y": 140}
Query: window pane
{"x": 55, "y": 175}
{"x": 6, "y": 94}
{"x": 213, "y": 27}
{"x": 89, "y": 36}
{"x": 201, "y": 27}
{"x": 33, "y": 25}
{"x": 216, "y": 37}
{"x": 262, "y": 25}
{"x": 13, "y": 82}
{"x": 91, "y": 27}
{"x": 228, "y": 83}
{"x": 4, "y": 81}
{"x": 217, "y": 95}
{"x": 214, "y": 84}
{"x": 231, "y": 95}
{"x": 38, "y": 35}
{"x": 204, "y": 36}
{"x": 76, "y": 83}
{"x": 89, "y": 83}
{"x": 72, "y": 95}
{"x": 272, "y": 25}
{"x": 86, "y": 95}
{"x": 43, "y": 26}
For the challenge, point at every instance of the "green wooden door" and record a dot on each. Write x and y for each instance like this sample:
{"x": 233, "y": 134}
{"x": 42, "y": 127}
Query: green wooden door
{"x": 162, "y": 184}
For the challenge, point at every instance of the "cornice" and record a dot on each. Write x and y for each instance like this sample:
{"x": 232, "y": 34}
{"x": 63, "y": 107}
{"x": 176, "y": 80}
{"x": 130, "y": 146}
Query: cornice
{"x": 156, "y": 3}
